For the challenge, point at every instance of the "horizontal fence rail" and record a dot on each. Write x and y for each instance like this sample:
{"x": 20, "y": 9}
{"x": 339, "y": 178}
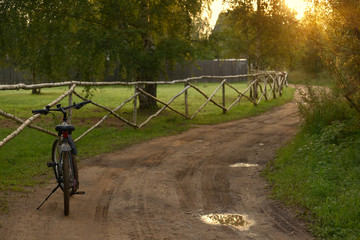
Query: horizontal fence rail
{"x": 264, "y": 85}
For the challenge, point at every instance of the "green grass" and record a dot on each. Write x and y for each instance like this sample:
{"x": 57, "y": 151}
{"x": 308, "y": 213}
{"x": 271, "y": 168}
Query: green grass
{"x": 21, "y": 102}
{"x": 23, "y": 159}
{"x": 319, "y": 170}
{"x": 323, "y": 178}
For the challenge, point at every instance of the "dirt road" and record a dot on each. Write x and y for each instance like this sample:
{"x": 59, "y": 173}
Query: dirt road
{"x": 161, "y": 189}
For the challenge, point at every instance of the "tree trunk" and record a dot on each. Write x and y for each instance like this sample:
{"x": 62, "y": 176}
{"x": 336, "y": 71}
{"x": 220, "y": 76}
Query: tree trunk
{"x": 147, "y": 103}
{"x": 35, "y": 90}
{"x": 258, "y": 53}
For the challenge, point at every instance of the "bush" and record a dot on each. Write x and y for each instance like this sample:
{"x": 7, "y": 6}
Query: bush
{"x": 320, "y": 107}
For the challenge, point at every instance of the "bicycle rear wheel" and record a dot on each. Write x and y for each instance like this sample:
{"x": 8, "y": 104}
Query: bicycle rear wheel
{"x": 66, "y": 183}
{"x": 73, "y": 174}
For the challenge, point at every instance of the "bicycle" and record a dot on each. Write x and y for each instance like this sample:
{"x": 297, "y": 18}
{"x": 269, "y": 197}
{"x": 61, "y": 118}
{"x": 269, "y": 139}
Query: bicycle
{"x": 63, "y": 151}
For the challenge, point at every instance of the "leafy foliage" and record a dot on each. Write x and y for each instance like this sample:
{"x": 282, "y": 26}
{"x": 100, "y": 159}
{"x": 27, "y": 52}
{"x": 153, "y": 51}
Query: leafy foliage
{"x": 86, "y": 40}
{"x": 337, "y": 28}
{"x": 262, "y": 31}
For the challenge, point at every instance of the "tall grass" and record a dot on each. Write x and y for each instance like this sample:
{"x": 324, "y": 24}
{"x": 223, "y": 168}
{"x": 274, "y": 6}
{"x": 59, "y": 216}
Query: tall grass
{"x": 320, "y": 107}
{"x": 320, "y": 170}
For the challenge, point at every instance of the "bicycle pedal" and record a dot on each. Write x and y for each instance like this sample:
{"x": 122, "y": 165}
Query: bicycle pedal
{"x": 51, "y": 164}
{"x": 80, "y": 193}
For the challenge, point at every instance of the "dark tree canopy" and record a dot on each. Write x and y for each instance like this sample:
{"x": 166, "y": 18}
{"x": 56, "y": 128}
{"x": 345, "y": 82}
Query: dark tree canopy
{"x": 87, "y": 39}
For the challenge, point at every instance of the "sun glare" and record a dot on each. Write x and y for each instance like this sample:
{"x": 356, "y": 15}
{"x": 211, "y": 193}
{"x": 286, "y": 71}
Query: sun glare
{"x": 217, "y": 6}
{"x": 298, "y": 5}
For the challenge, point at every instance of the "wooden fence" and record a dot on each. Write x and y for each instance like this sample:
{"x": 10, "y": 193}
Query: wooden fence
{"x": 264, "y": 85}
{"x": 8, "y": 75}
{"x": 220, "y": 67}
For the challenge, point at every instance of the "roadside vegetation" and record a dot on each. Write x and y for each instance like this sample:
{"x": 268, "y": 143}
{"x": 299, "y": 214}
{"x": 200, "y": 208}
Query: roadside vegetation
{"x": 321, "y": 78}
{"x": 23, "y": 159}
{"x": 319, "y": 171}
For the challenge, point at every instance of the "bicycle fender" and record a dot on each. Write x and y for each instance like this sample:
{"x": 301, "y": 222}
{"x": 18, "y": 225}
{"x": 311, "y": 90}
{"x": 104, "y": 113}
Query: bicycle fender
{"x": 65, "y": 147}
{"x": 72, "y": 145}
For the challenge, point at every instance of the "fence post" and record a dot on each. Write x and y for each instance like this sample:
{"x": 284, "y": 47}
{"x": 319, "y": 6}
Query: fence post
{"x": 274, "y": 87}
{"x": 256, "y": 94}
{"x": 186, "y": 101}
{"x": 223, "y": 96}
{"x": 135, "y": 104}
{"x": 280, "y": 84}
{"x": 70, "y": 109}
{"x": 265, "y": 90}
{"x": 251, "y": 89}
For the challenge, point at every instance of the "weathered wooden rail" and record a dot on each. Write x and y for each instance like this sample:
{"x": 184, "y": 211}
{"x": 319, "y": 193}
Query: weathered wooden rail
{"x": 261, "y": 85}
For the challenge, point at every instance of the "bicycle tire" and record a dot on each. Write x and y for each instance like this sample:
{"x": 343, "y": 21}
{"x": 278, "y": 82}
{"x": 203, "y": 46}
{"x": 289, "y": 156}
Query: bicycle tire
{"x": 66, "y": 183}
{"x": 75, "y": 174}
{"x": 55, "y": 157}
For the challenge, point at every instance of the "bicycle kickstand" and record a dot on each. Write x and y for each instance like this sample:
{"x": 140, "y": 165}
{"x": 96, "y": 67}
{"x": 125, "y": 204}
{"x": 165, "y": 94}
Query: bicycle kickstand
{"x": 54, "y": 190}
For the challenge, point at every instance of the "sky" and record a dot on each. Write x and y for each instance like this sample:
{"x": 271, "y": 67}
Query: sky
{"x": 216, "y": 8}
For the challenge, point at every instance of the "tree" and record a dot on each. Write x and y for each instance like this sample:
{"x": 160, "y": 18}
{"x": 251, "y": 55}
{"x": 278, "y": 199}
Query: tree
{"x": 262, "y": 31}
{"x": 337, "y": 25}
{"x": 86, "y": 40}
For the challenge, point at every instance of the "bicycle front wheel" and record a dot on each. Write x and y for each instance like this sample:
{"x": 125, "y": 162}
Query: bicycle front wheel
{"x": 55, "y": 157}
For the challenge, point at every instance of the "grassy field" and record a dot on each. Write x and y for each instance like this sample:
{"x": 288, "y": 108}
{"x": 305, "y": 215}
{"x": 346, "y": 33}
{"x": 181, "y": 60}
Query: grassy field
{"x": 319, "y": 171}
{"x": 23, "y": 159}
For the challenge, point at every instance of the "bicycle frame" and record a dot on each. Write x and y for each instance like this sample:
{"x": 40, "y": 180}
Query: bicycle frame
{"x": 63, "y": 162}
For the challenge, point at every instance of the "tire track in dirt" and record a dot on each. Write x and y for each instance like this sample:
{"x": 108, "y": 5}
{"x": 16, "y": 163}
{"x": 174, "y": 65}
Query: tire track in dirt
{"x": 161, "y": 188}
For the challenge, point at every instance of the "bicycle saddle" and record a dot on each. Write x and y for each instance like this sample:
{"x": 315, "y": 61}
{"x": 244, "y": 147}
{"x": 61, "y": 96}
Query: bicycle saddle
{"x": 62, "y": 128}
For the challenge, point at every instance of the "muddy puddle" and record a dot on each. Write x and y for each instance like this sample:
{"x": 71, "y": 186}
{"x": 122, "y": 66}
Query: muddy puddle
{"x": 243, "y": 165}
{"x": 240, "y": 222}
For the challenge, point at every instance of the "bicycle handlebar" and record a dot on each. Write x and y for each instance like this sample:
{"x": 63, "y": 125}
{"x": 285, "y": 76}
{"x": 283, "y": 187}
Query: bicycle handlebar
{"x": 41, "y": 111}
{"x": 60, "y": 109}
